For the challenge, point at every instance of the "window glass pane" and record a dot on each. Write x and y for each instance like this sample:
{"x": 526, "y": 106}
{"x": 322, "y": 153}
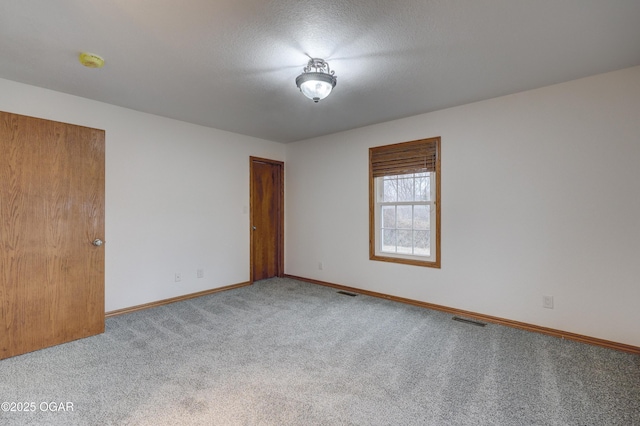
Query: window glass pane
{"x": 405, "y": 189}
{"x": 421, "y": 217}
{"x": 429, "y": 182}
{"x": 389, "y": 240}
{"x": 405, "y": 241}
{"x": 390, "y": 190}
{"x": 404, "y": 217}
{"x": 388, "y": 216}
{"x": 422, "y": 243}
{"x": 423, "y": 192}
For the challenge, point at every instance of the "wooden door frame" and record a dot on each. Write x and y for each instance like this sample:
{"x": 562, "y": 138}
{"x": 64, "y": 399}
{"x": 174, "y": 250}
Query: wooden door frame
{"x": 280, "y": 237}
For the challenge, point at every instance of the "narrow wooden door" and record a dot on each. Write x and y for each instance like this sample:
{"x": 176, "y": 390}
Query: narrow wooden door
{"x": 267, "y": 218}
{"x": 51, "y": 211}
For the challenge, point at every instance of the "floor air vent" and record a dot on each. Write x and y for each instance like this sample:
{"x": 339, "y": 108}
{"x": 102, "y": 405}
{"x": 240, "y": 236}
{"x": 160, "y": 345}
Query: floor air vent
{"x": 468, "y": 321}
{"x": 346, "y": 293}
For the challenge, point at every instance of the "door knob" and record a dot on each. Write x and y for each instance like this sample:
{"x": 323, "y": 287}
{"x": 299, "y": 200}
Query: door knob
{"x": 98, "y": 242}
{"x": 254, "y": 228}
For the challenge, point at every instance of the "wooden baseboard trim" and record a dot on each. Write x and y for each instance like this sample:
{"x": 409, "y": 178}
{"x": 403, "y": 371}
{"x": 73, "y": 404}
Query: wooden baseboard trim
{"x": 482, "y": 317}
{"x": 173, "y": 300}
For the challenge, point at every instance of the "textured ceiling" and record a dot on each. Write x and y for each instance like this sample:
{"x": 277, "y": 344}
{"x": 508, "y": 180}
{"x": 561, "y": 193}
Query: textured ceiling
{"x": 232, "y": 64}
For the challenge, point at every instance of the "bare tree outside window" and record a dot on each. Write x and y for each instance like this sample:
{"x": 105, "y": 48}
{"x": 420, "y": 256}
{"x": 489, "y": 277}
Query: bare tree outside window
{"x": 406, "y": 214}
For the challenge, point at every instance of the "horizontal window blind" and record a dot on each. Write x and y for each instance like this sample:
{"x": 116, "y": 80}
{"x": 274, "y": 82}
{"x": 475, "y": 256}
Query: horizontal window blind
{"x": 403, "y": 158}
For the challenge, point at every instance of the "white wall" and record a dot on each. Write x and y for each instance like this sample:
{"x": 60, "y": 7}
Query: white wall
{"x": 540, "y": 196}
{"x": 176, "y": 195}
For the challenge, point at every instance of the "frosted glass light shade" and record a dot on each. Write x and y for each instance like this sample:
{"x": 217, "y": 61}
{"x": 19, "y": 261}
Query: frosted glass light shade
{"x": 316, "y": 85}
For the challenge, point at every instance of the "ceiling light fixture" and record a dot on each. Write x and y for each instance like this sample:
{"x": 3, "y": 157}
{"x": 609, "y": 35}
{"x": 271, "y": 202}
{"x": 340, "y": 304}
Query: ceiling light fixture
{"x": 316, "y": 80}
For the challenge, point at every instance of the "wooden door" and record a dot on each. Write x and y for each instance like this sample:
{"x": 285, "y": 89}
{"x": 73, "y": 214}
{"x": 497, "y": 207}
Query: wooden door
{"x": 267, "y": 218}
{"x": 51, "y": 211}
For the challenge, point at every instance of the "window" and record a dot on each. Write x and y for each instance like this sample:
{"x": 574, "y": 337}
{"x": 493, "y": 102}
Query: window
{"x": 404, "y": 203}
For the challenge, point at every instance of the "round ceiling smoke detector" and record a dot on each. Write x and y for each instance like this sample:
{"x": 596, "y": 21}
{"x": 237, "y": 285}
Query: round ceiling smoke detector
{"x": 91, "y": 60}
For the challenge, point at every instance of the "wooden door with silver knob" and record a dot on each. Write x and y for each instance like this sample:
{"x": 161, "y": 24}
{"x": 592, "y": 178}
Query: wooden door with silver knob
{"x": 51, "y": 212}
{"x": 267, "y": 218}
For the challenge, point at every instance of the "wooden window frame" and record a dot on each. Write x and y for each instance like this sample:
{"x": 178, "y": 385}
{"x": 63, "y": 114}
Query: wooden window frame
{"x": 402, "y": 158}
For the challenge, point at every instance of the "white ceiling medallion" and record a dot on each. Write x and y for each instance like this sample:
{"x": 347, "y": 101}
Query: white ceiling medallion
{"x": 316, "y": 80}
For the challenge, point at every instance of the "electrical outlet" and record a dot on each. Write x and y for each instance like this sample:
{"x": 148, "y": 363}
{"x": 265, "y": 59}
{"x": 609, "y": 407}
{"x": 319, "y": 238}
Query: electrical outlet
{"x": 547, "y": 302}
{"x": 178, "y": 277}
{"x": 200, "y": 273}
{"x": 320, "y": 266}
